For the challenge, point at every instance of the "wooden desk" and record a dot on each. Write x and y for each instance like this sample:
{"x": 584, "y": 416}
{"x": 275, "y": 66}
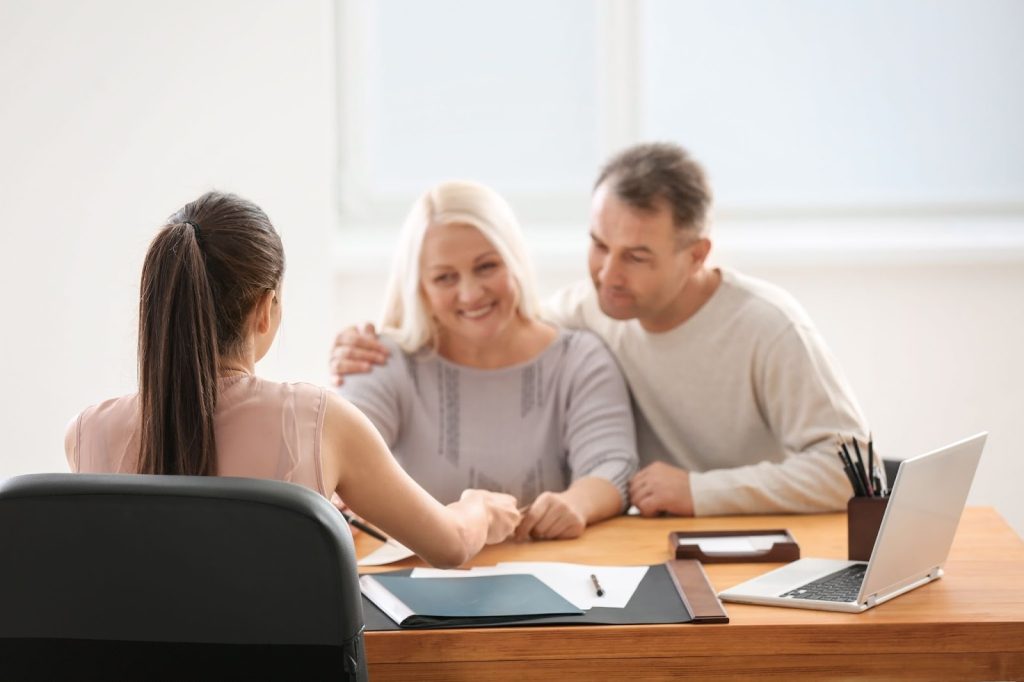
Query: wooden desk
{"x": 968, "y": 625}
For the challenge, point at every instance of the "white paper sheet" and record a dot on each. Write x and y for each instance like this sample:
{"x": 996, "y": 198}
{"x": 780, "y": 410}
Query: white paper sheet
{"x": 388, "y": 553}
{"x": 735, "y": 544}
{"x": 572, "y": 581}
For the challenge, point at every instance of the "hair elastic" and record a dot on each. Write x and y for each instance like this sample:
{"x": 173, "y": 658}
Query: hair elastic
{"x": 194, "y": 226}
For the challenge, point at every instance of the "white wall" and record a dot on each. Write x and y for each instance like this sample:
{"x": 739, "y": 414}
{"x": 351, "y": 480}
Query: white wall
{"x": 112, "y": 115}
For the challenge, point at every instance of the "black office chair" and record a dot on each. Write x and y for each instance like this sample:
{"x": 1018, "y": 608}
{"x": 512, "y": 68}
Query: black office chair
{"x": 175, "y": 577}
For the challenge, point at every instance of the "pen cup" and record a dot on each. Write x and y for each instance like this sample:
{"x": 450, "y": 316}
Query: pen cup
{"x": 863, "y": 518}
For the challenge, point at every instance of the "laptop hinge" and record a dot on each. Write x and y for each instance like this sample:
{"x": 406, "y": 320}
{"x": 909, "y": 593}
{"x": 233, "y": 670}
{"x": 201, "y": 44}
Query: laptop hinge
{"x": 870, "y": 601}
{"x": 935, "y": 573}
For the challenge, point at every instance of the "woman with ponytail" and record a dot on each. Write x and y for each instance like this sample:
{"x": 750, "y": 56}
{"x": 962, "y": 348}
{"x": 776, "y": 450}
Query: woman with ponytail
{"x": 209, "y": 309}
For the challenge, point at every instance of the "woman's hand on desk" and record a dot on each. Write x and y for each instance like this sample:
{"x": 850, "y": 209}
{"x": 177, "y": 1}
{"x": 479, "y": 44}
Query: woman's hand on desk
{"x": 502, "y": 514}
{"x": 551, "y": 516}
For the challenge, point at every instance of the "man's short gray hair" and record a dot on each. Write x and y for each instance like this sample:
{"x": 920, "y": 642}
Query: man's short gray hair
{"x": 646, "y": 174}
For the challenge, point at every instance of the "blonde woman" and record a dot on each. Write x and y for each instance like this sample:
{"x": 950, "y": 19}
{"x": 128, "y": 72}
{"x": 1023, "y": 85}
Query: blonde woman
{"x": 478, "y": 391}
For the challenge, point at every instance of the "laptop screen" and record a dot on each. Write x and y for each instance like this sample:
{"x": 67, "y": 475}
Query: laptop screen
{"x": 922, "y": 515}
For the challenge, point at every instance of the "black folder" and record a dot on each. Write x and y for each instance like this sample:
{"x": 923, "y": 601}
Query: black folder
{"x": 674, "y": 592}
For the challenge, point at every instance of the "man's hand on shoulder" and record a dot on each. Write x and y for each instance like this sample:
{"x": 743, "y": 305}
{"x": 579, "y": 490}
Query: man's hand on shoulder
{"x": 661, "y": 488}
{"x": 355, "y": 351}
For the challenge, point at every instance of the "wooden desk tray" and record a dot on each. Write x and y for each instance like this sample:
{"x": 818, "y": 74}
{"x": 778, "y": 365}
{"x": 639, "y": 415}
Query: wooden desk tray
{"x": 682, "y": 548}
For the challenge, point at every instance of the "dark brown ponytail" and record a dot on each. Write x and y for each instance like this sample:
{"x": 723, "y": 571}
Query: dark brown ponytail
{"x": 204, "y": 273}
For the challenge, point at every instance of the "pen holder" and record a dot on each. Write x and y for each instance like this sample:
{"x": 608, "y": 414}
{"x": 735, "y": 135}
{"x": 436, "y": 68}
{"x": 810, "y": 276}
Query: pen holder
{"x": 863, "y": 518}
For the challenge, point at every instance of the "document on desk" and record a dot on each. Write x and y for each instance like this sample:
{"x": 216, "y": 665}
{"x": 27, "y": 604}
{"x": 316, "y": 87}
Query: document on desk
{"x": 388, "y": 553}
{"x": 738, "y": 544}
{"x": 572, "y": 581}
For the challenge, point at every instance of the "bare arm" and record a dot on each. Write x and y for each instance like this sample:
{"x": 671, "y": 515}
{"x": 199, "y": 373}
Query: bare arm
{"x": 71, "y": 443}
{"x": 359, "y": 467}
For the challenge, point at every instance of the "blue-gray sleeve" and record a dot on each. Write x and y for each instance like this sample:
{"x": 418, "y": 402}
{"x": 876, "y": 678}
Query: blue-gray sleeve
{"x": 600, "y": 436}
{"x": 378, "y": 393}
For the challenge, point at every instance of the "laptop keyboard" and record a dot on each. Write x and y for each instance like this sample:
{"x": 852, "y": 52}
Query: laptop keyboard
{"x": 843, "y": 585}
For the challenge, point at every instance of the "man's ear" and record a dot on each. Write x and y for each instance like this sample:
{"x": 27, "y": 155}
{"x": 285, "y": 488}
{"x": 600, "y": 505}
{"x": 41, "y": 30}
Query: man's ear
{"x": 699, "y": 250}
{"x": 263, "y": 309}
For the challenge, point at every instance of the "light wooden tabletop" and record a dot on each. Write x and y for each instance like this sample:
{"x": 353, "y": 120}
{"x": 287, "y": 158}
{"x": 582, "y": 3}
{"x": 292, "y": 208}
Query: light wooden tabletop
{"x": 968, "y": 625}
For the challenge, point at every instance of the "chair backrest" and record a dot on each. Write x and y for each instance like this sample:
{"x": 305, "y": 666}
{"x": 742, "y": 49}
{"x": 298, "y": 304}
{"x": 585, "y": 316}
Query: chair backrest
{"x": 129, "y": 567}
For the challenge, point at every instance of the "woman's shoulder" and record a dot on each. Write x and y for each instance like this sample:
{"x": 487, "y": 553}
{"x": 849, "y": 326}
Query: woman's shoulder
{"x": 579, "y": 355}
{"x": 254, "y": 385}
{"x": 582, "y": 344}
{"x": 111, "y": 421}
{"x": 245, "y": 398}
{"x": 121, "y": 408}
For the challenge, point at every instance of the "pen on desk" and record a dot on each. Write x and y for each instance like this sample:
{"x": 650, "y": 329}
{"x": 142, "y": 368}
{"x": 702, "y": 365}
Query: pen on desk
{"x": 597, "y": 585}
{"x": 365, "y": 527}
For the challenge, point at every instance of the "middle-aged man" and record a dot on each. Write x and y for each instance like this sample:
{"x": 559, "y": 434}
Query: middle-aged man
{"x": 738, "y": 401}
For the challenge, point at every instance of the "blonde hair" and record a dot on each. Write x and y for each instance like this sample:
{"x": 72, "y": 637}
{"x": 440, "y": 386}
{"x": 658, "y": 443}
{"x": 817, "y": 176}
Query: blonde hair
{"x": 406, "y": 318}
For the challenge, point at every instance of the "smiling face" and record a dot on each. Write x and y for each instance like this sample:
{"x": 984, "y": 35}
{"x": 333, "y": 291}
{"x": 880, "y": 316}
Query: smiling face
{"x": 467, "y": 287}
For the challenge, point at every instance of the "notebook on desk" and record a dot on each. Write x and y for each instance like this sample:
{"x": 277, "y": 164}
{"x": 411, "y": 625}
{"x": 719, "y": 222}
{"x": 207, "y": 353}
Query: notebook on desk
{"x": 912, "y": 545}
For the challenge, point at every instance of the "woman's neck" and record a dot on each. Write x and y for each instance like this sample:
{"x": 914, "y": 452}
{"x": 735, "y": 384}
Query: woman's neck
{"x": 522, "y": 341}
{"x": 234, "y": 366}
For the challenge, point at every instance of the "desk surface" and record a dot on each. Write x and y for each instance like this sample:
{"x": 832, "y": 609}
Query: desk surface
{"x": 968, "y": 625}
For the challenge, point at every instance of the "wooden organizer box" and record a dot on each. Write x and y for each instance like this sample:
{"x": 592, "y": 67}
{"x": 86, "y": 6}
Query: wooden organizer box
{"x": 682, "y": 548}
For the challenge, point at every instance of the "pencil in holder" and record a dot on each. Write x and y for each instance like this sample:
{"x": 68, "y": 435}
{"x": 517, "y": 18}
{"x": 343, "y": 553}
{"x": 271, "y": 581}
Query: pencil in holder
{"x": 863, "y": 518}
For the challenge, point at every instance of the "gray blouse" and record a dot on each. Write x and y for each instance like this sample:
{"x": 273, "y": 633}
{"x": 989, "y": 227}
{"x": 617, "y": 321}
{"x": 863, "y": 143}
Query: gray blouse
{"x": 525, "y": 429}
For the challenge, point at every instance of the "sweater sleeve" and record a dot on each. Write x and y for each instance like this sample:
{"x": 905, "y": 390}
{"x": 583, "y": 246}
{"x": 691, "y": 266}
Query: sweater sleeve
{"x": 806, "y": 402}
{"x": 599, "y": 434}
{"x": 378, "y": 393}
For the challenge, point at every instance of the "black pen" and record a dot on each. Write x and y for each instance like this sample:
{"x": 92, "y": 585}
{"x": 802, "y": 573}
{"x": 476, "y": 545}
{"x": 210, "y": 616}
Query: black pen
{"x": 365, "y": 527}
{"x": 849, "y": 472}
{"x": 597, "y": 585}
{"x": 855, "y": 479}
{"x": 871, "y": 469}
{"x": 862, "y": 469}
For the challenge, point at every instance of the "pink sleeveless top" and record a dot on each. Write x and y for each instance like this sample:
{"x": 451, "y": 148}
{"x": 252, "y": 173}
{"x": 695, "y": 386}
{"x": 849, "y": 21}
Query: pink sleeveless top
{"x": 263, "y": 429}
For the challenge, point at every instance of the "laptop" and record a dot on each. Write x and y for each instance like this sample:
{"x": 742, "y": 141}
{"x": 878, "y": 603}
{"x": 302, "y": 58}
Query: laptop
{"x": 913, "y": 542}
